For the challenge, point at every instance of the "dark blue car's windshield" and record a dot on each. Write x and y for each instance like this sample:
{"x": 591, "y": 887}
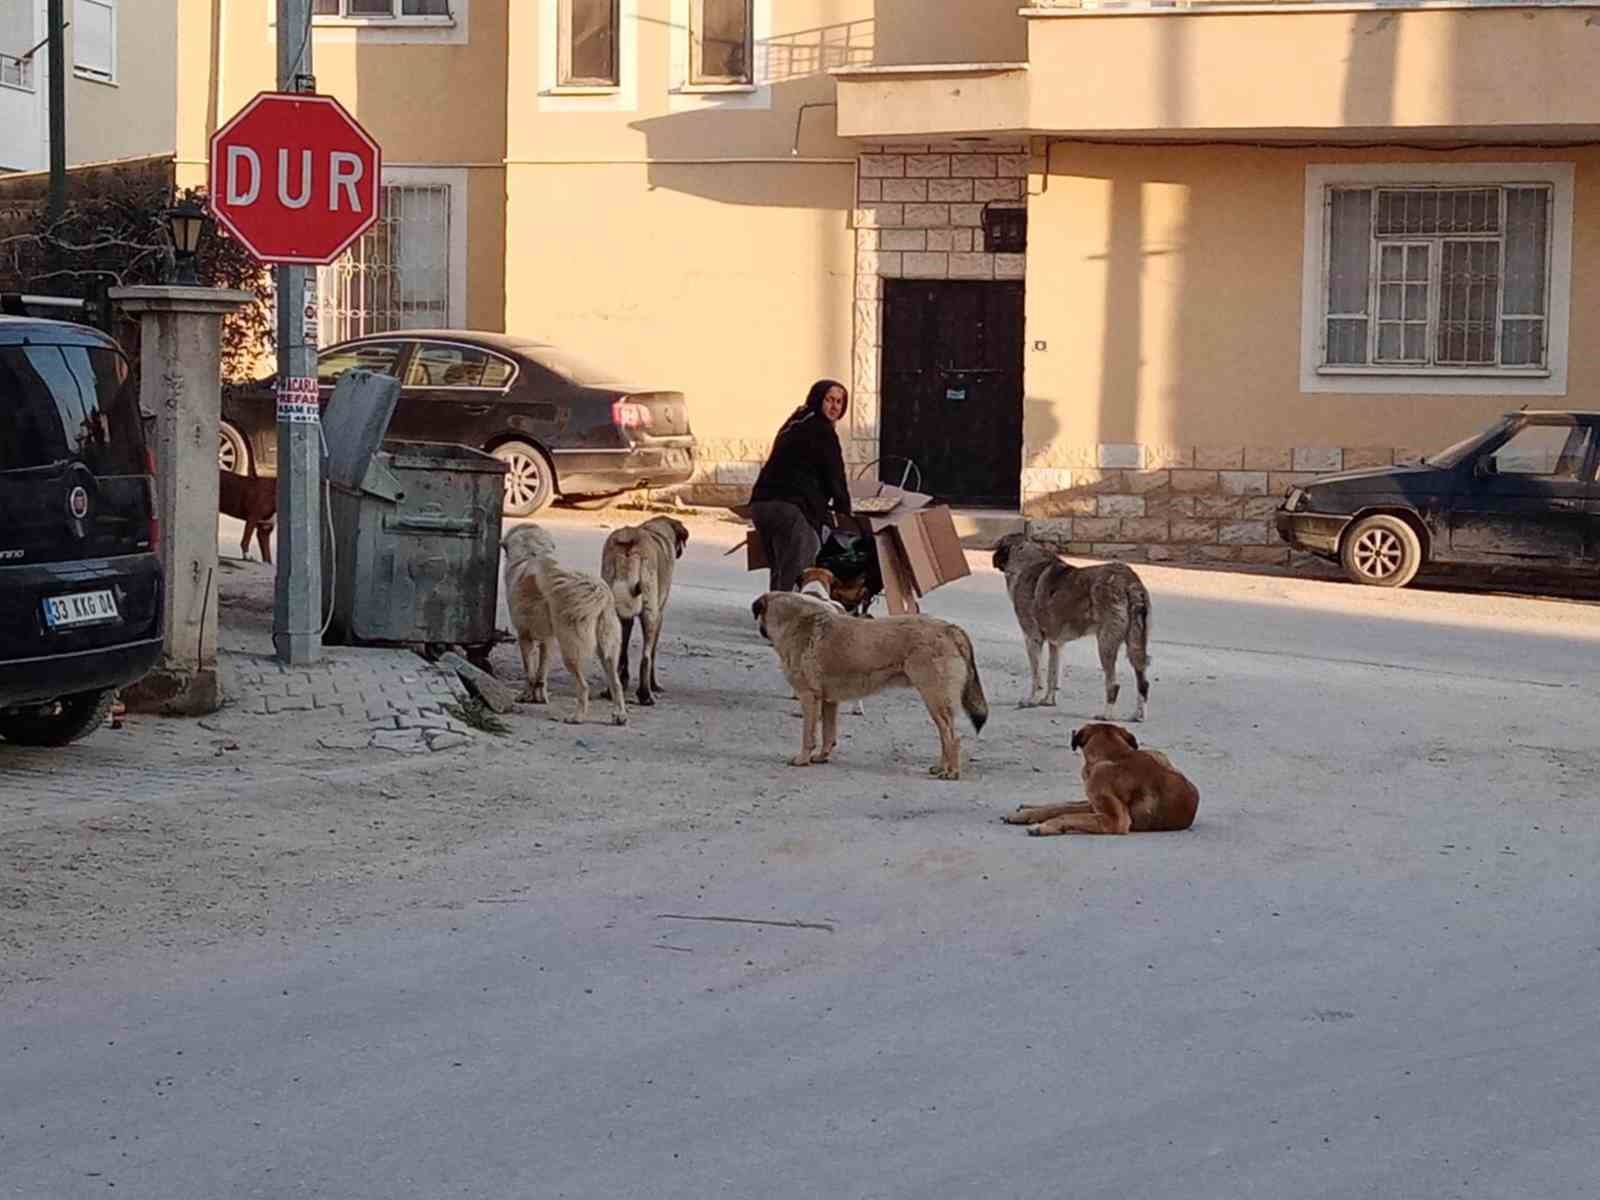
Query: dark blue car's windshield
{"x": 1451, "y": 455}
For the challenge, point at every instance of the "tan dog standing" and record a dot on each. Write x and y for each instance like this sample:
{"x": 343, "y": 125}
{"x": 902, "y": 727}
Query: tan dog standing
{"x": 1056, "y": 603}
{"x": 549, "y": 603}
{"x": 828, "y": 658}
{"x": 636, "y": 563}
{"x": 1130, "y": 790}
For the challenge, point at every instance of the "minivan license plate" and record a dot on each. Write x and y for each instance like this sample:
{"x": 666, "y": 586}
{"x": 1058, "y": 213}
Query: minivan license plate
{"x": 83, "y": 608}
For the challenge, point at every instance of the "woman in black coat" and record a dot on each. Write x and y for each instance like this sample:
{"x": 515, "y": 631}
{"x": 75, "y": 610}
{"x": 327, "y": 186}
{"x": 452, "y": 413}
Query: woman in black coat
{"x": 801, "y": 485}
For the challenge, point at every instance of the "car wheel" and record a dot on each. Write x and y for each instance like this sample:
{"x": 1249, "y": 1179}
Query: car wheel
{"x": 530, "y": 479}
{"x": 1382, "y": 551}
{"x": 60, "y": 721}
{"x": 233, "y": 452}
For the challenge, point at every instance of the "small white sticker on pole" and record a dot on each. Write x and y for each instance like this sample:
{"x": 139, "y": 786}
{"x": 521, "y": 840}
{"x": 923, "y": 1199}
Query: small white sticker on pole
{"x": 297, "y": 401}
{"x": 308, "y": 315}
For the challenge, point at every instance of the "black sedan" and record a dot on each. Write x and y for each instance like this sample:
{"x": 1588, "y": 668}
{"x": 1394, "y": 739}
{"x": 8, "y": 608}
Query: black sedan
{"x": 1520, "y": 494}
{"x": 561, "y": 426}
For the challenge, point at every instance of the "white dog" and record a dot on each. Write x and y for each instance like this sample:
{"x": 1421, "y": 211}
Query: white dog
{"x": 576, "y": 611}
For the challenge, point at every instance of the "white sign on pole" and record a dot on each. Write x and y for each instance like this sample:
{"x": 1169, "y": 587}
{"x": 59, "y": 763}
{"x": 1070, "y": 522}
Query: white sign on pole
{"x": 297, "y": 401}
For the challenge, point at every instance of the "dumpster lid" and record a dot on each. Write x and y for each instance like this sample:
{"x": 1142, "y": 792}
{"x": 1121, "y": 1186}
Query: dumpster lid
{"x": 353, "y": 424}
{"x": 451, "y": 456}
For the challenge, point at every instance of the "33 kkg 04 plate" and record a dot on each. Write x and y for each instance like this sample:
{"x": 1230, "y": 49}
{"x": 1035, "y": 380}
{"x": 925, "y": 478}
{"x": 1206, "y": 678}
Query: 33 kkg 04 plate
{"x": 81, "y": 608}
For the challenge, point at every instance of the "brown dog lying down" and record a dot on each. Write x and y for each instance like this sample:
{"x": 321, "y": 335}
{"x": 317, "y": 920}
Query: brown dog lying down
{"x": 254, "y": 501}
{"x": 1130, "y": 790}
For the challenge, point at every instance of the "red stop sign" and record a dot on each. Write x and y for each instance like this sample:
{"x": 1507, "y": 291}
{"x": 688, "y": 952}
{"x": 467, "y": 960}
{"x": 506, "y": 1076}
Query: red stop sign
{"x": 294, "y": 178}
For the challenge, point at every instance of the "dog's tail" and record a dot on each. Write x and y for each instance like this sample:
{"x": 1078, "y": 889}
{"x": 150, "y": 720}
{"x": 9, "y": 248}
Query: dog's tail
{"x": 1138, "y": 642}
{"x": 973, "y": 700}
{"x": 624, "y": 569}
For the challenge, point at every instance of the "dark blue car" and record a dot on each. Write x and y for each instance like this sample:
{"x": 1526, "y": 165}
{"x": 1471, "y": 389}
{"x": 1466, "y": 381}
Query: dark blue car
{"x": 80, "y": 581}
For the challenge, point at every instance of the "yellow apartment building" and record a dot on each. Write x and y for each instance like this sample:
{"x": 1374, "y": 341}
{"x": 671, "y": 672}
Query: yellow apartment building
{"x": 1133, "y": 268}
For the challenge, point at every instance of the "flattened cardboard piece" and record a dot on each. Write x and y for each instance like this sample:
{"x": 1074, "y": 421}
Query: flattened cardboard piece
{"x": 931, "y": 547}
{"x": 898, "y": 590}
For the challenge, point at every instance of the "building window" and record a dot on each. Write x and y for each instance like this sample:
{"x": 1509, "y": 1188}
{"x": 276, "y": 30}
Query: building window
{"x": 94, "y": 39}
{"x": 380, "y": 9}
{"x": 1425, "y": 277}
{"x": 720, "y": 42}
{"x": 1005, "y": 230}
{"x": 16, "y": 72}
{"x": 397, "y": 276}
{"x": 588, "y": 39}
{"x": 16, "y": 39}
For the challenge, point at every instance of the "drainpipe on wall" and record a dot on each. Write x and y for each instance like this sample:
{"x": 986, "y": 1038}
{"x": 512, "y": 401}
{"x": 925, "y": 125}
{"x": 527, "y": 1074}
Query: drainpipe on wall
{"x": 58, "y": 109}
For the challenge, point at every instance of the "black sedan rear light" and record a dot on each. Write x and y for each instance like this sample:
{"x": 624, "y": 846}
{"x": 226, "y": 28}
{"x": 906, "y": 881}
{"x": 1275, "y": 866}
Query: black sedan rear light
{"x": 629, "y": 414}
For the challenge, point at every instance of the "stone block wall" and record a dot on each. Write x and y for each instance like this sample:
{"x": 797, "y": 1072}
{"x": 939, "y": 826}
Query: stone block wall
{"x": 919, "y": 215}
{"x": 1176, "y": 503}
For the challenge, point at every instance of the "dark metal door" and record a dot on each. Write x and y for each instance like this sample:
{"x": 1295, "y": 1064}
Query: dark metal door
{"x": 952, "y": 388}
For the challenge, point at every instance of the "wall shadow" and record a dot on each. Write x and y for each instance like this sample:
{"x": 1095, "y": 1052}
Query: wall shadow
{"x": 1369, "y": 76}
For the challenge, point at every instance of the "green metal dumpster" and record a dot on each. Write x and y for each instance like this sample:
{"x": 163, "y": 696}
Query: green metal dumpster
{"x": 414, "y": 555}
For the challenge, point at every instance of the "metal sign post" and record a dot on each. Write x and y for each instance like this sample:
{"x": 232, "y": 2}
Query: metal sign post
{"x": 296, "y": 180}
{"x": 297, "y": 599}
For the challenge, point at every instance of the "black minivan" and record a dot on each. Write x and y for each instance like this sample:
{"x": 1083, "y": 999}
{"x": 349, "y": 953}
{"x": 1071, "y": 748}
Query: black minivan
{"x": 80, "y": 581}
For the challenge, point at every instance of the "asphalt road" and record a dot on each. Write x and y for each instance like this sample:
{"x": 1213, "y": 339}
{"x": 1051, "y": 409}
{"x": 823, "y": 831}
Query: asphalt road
{"x": 1369, "y": 970}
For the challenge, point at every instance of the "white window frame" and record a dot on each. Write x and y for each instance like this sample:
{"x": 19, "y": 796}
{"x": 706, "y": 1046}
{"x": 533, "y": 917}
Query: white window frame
{"x": 556, "y": 97}
{"x": 1549, "y": 380}
{"x": 381, "y": 31}
{"x": 395, "y": 17}
{"x": 691, "y": 97}
{"x": 696, "y": 21}
{"x": 89, "y": 73}
{"x": 564, "y": 51}
{"x": 21, "y": 71}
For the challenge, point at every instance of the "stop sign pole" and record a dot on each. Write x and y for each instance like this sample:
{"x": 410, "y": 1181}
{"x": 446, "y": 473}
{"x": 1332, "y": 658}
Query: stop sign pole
{"x": 297, "y": 599}
{"x": 296, "y": 179}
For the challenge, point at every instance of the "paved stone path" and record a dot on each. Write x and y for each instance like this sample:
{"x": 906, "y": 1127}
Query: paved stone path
{"x": 388, "y": 699}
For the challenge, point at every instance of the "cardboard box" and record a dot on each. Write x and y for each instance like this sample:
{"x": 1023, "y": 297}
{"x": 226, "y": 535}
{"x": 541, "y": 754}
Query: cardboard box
{"x": 918, "y": 548}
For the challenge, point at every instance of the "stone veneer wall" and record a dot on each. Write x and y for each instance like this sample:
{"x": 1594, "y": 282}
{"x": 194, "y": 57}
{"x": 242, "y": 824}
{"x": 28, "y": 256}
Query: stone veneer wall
{"x": 1176, "y": 503}
{"x": 919, "y": 215}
